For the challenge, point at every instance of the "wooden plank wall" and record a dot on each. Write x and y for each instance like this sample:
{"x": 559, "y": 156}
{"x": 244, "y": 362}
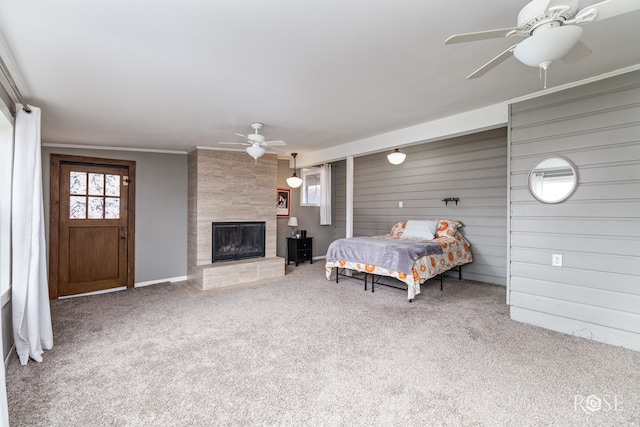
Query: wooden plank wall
{"x": 596, "y": 293}
{"x": 472, "y": 167}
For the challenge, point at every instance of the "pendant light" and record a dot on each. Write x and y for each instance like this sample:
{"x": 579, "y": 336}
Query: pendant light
{"x": 396, "y": 157}
{"x": 294, "y": 181}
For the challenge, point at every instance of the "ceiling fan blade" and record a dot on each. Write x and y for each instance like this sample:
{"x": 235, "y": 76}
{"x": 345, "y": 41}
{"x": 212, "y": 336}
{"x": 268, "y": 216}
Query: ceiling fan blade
{"x": 240, "y": 135}
{"x": 276, "y": 150}
{"x": 610, "y": 8}
{"x": 481, "y": 35}
{"x": 493, "y": 63}
{"x": 577, "y": 53}
{"x": 275, "y": 143}
{"x": 233, "y": 143}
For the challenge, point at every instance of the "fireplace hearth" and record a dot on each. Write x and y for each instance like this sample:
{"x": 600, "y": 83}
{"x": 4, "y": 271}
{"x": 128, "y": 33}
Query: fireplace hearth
{"x": 237, "y": 240}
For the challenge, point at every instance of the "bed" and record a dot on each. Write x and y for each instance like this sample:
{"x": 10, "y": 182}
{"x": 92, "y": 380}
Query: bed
{"x": 412, "y": 252}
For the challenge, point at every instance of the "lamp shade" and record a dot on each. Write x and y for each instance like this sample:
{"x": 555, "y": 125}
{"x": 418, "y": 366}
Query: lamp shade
{"x": 548, "y": 46}
{"x": 293, "y": 221}
{"x": 255, "y": 151}
{"x": 294, "y": 181}
{"x": 396, "y": 157}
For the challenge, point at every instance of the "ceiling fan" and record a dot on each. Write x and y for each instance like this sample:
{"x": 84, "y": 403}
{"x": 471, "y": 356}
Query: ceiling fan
{"x": 256, "y": 145}
{"x": 551, "y": 31}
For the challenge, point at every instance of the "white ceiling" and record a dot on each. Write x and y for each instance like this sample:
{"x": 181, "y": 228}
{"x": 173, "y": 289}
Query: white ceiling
{"x": 171, "y": 75}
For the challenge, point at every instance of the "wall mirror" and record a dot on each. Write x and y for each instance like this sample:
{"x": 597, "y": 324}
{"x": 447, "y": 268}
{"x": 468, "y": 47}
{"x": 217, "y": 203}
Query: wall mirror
{"x": 553, "y": 179}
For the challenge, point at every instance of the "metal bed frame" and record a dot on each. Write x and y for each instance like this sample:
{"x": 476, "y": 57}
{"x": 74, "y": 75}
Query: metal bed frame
{"x": 375, "y": 281}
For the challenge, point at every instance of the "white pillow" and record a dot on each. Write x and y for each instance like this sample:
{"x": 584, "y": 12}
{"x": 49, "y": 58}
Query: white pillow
{"x": 420, "y": 229}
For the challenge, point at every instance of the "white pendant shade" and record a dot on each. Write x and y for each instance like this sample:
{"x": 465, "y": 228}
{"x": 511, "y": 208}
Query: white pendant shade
{"x": 396, "y": 157}
{"x": 255, "y": 151}
{"x": 548, "y": 46}
{"x": 294, "y": 181}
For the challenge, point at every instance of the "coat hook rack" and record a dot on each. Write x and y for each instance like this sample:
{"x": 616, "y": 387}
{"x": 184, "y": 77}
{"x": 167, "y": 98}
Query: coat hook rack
{"x": 450, "y": 199}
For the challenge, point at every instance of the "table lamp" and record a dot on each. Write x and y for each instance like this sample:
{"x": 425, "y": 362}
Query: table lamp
{"x": 293, "y": 223}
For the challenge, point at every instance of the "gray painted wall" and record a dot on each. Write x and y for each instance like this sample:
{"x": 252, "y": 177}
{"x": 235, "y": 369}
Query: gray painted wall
{"x": 161, "y": 209}
{"x": 283, "y": 231}
{"x": 308, "y": 218}
{"x": 596, "y": 294}
{"x": 472, "y": 167}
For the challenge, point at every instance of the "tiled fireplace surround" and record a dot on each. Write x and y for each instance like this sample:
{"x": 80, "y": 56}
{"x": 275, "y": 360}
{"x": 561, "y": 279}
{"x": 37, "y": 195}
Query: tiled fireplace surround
{"x": 229, "y": 186}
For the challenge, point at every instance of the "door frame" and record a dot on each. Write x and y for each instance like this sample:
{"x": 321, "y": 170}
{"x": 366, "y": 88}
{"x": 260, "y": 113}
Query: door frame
{"x": 54, "y": 214}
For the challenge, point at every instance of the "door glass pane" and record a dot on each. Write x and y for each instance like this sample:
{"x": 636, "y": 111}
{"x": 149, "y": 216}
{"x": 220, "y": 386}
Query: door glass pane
{"x": 112, "y": 208}
{"x": 78, "y": 183}
{"x": 112, "y": 185}
{"x": 96, "y": 184}
{"x": 96, "y": 207}
{"x": 77, "y": 207}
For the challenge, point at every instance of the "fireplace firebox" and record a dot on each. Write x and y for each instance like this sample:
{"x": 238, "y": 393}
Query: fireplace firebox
{"x": 237, "y": 240}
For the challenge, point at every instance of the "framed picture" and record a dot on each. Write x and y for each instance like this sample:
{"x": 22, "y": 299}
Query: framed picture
{"x": 283, "y": 200}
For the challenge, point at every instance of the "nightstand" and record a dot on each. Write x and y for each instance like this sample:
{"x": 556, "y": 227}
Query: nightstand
{"x": 299, "y": 250}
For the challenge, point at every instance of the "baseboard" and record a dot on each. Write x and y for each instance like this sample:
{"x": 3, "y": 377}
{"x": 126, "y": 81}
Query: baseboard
{"x": 122, "y": 288}
{"x": 577, "y": 328}
{"x": 319, "y": 257}
{"x": 155, "y": 282}
{"x": 86, "y": 294}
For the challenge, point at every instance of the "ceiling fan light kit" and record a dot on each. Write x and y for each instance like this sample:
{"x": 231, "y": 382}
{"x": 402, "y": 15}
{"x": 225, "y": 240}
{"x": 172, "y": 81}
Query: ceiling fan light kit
{"x": 396, "y": 157}
{"x": 255, "y": 151}
{"x": 548, "y": 46}
{"x": 294, "y": 181}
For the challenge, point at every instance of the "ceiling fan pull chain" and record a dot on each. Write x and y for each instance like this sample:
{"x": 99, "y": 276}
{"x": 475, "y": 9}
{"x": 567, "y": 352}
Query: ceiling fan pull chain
{"x": 543, "y": 69}
{"x": 543, "y": 76}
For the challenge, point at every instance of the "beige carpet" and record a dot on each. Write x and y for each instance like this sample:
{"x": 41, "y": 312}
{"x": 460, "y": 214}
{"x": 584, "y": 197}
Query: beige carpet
{"x": 305, "y": 351}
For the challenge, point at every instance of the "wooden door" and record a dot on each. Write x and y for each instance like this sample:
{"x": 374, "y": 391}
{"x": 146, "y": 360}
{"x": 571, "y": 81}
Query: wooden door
{"x": 91, "y": 239}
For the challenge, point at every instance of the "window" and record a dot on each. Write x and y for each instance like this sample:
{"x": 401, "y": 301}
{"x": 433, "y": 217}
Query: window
{"x": 102, "y": 192}
{"x": 310, "y": 190}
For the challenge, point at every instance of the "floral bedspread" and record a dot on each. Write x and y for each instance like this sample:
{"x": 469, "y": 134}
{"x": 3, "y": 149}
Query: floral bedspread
{"x": 456, "y": 251}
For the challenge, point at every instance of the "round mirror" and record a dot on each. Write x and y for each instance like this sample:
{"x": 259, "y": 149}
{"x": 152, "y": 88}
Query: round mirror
{"x": 553, "y": 179}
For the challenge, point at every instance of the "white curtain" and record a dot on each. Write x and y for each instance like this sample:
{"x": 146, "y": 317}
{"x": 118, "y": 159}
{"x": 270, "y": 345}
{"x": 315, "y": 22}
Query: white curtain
{"x": 325, "y": 194}
{"x": 32, "y": 331}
